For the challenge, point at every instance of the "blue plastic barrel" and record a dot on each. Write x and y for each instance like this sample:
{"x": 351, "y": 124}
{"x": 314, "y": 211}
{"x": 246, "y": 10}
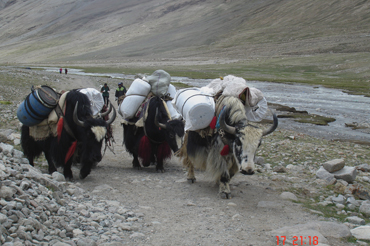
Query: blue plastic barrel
{"x": 37, "y": 106}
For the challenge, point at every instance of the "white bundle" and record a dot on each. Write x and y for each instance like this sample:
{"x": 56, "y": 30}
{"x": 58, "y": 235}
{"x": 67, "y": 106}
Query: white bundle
{"x": 96, "y": 99}
{"x": 135, "y": 96}
{"x": 196, "y": 107}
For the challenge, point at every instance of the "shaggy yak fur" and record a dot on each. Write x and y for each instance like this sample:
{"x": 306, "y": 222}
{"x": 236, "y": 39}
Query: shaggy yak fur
{"x": 89, "y": 135}
{"x": 222, "y": 157}
{"x": 153, "y": 143}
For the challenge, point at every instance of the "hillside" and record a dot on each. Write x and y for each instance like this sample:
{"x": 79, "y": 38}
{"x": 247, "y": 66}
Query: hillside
{"x": 101, "y": 31}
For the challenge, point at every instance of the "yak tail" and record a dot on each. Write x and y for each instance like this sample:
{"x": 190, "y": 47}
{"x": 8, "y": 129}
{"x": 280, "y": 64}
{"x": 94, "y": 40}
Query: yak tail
{"x": 164, "y": 151}
{"x": 145, "y": 150}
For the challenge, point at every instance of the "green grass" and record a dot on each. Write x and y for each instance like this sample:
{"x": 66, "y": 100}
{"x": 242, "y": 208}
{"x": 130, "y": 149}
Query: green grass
{"x": 347, "y": 72}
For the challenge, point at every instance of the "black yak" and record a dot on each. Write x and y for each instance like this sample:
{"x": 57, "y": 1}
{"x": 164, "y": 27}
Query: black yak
{"x": 77, "y": 127}
{"x": 153, "y": 142}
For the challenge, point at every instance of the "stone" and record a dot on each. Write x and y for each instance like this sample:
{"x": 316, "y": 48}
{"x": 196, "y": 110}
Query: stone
{"x": 355, "y": 220}
{"x": 288, "y": 196}
{"x": 339, "y": 199}
{"x": 361, "y": 232}
{"x": 7, "y": 192}
{"x": 347, "y": 174}
{"x": 334, "y": 165}
{"x": 365, "y": 209}
{"x": 6, "y": 148}
{"x": 58, "y": 177}
{"x": 137, "y": 235}
{"x": 323, "y": 174}
{"x": 279, "y": 169}
{"x": 364, "y": 167}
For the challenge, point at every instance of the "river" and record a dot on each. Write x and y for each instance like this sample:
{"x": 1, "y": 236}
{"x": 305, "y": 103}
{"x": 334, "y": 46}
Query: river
{"x": 345, "y": 108}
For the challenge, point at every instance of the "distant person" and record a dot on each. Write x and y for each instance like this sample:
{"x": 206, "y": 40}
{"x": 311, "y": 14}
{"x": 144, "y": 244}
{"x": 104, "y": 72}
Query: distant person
{"x": 66, "y": 70}
{"x": 120, "y": 93}
{"x": 60, "y": 70}
{"x": 105, "y": 91}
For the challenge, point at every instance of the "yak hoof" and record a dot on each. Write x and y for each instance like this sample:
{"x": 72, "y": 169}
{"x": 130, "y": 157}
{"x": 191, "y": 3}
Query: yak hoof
{"x": 225, "y": 195}
{"x": 160, "y": 170}
{"x": 69, "y": 179}
{"x": 192, "y": 180}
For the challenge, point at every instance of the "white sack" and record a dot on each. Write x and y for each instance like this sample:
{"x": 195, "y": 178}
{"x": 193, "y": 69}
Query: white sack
{"x": 172, "y": 93}
{"x": 96, "y": 99}
{"x": 135, "y": 96}
{"x": 196, "y": 107}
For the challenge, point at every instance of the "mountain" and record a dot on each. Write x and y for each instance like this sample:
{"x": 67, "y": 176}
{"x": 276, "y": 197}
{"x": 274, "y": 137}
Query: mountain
{"x": 55, "y": 31}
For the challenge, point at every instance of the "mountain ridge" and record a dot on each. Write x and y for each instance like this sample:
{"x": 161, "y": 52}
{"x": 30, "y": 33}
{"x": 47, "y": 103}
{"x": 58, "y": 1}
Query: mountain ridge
{"x": 69, "y": 30}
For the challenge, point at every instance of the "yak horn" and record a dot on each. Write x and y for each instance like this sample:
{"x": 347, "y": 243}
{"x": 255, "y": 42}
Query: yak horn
{"x": 224, "y": 126}
{"x": 110, "y": 121}
{"x": 75, "y": 117}
{"x": 163, "y": 126}
{"x": 273, "y": 127}
{"x": 108, "y": 111}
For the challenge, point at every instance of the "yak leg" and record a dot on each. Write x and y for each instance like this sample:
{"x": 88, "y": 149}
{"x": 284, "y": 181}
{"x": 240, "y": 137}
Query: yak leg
{"x": 136, "y": 162}
{"x": 51, "y": 163}
{"x": 187, "y": 163}
{"x": 225, "y": 192}
{"x": 68, "y": 171}
{"x": 85, "y": 169}
{"x": 233, "y": 169}
{"x": 159, "y": 166}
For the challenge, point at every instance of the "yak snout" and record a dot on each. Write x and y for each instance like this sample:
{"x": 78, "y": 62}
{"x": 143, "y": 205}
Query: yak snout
{"x": 249, "y": 171}
{"x": 247, "y": 167}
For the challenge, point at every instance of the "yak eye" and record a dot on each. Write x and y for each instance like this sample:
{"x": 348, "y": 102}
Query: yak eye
{"x": 172, "y": 136}
{"x": 237, "y": 141}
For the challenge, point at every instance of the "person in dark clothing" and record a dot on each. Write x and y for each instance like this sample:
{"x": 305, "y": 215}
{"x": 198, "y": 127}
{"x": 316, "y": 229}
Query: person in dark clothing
{"x": 120, "y": 93}
{"x": 66, "y": 70}
{"x": 105, "y": 91}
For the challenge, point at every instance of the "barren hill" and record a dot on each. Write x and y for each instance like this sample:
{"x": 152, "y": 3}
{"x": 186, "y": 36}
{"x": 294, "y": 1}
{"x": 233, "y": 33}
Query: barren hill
{"x": 115, "y": 30}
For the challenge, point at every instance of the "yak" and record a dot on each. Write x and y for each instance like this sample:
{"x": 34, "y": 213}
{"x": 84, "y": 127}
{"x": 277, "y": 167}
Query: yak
{"x": 77, "y": 129}
{"x": 230, "y": 149}
{"x": 153, "y": 142}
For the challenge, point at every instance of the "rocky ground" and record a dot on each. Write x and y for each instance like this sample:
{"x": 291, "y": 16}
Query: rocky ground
{"x": 306, "y": 188}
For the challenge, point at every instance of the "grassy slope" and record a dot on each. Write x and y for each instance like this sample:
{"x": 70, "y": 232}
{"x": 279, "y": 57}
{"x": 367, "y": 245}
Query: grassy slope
{"x": 316, "y": 42}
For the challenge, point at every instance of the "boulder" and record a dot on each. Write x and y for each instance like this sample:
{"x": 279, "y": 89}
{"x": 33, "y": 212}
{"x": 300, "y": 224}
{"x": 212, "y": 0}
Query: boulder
{"x": 334, "y": 165}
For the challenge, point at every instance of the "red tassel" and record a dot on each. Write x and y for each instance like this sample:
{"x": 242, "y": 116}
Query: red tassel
{"x": 213, "y": 122}
{"x": 145, "y": 150}
{"x": 71, "y": 151}
{"x": 225, "y": 150}
{"x": 60, "y": 127}
{"x": 164, "y": 151}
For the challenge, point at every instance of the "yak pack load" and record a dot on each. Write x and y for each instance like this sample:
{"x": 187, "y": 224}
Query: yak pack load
{"x": 144, "y": 87}
{"x": 199, "y": 105}
{"x": 38, "y": 105}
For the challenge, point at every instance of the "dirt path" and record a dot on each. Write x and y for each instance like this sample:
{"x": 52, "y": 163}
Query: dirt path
{"x": 180, "y": 213}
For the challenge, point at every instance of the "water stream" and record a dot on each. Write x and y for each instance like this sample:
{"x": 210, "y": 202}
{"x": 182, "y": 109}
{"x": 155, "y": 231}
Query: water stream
{"x": 318, "y": 100}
